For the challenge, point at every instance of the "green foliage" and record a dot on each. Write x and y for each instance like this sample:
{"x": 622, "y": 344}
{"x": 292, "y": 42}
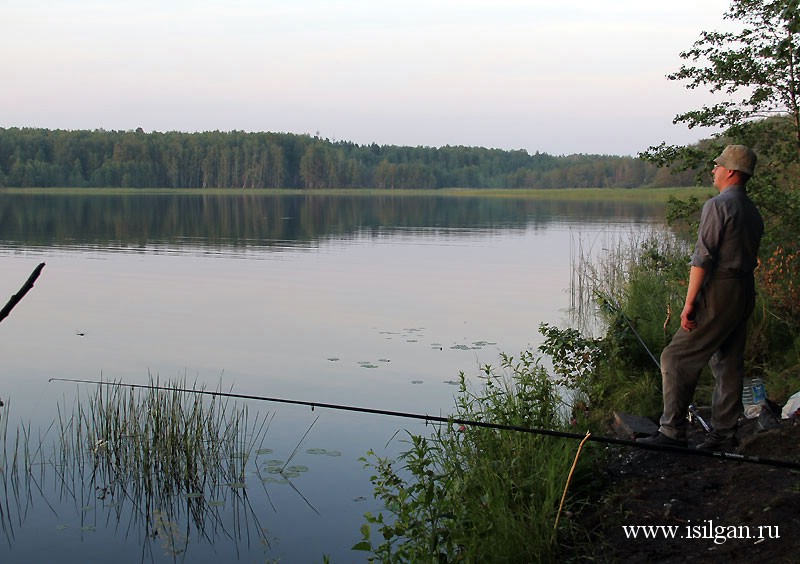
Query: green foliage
{"x": 475, "y": 494}
{"x": 685, "y": 213}
{"x": 754, "y": 68}
{"x": 44, "y": 158}
{"x": 574, "y": 358}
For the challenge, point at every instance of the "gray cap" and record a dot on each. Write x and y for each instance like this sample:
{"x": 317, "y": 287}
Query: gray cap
{"x": 738, "y": 157}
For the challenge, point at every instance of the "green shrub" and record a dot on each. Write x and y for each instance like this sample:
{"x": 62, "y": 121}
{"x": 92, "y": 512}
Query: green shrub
{"x": 477, "y": 494}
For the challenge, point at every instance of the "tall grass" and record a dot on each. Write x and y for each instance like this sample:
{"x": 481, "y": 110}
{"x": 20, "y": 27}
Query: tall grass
{"x": 630, "y": 293}
{"x": 475, "y": 494}
{"x": 164, "y": 458}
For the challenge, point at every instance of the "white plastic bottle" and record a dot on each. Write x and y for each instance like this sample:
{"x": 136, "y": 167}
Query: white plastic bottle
{"x": 753, "y": 397}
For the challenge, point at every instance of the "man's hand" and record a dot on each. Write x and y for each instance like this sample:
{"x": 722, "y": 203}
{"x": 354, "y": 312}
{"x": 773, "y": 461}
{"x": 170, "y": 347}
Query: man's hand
{"x": 687, "y": 317}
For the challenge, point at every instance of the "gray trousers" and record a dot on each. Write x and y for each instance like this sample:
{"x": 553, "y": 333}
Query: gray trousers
{"x": 718, "y": 341}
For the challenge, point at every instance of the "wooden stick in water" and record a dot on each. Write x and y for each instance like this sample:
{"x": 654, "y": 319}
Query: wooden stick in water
{"x": 15, "y": 299}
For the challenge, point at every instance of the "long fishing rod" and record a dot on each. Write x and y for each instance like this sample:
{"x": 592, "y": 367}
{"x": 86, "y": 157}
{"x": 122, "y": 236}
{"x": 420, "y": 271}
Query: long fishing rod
{"x": 453, "y": 420}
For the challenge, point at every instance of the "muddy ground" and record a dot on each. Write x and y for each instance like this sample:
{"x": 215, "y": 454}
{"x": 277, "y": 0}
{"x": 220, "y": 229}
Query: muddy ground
{"x": 711, "y": 503}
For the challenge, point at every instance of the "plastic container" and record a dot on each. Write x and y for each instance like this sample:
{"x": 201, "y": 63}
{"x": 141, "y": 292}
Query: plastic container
{"x": 753, "y": 397}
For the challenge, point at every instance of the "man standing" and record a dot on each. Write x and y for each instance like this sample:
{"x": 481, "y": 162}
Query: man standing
{"x": 719, "y": 300}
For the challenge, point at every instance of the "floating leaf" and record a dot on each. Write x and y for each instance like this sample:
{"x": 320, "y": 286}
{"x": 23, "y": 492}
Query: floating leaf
{"x": 369, "y": 366}
{"x": 236, "y": 485}
{"x": 273, "y": 480}
{"x": 61, "y": 527}
{"x": 298, "y": 468}
{"x": 384, "y": 360}
{"x": 460, "y": 347}
{"x": 88, "y": 528}
{"x": 216, "y": 503}
{"x": 264, "y": 451}
{"x": 194, "y": 495}
{"x": 274, "y": 462}
{"x": 316, "y": 451}
{"x": 88, "y": 508}
{"x": 333, "y": 359}
{"x": 411, "y": 341}
{"x": 333, "y": 453}
{"x": 288, "y": 475}
{"x": 416, "y": 381}
{"x": 273, "y": 470}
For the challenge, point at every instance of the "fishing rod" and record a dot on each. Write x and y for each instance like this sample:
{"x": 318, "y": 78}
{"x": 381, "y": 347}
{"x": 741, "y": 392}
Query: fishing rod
{"x": 453, "y": 420}
{"x": 693, "y": 413}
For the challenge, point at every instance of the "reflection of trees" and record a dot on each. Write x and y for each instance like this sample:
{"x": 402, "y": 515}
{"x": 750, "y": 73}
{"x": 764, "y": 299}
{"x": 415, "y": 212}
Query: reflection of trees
{"x": 168, "y": 465}
{"x": 272, "y": 221}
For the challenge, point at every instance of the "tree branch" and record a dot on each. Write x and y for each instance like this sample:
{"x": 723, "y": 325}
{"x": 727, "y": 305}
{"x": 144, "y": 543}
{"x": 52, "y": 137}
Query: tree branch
{"x": 15, "y": 299}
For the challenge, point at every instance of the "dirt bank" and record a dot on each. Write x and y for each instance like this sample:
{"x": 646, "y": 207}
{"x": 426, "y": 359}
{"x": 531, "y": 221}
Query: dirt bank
{"x": 709, "y": 503}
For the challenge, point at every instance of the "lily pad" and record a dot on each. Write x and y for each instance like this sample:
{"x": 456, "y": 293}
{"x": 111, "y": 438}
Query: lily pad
{"x": 274, "y": 462}
{"x": 216, "y": 503}
{"x": 316, "y": 451}
{"x": 274, "y": 480}
{"x": 298, "y": 468}
{"x": 88, "y": 529}
{"x": 416, "y": 381}
{"x": 237, "y": 485}
{"x": 333, "y": 453}
{"x": 333, "y": 359}
{"x": 194, "y": 495}
{"x": 264, "y": 451}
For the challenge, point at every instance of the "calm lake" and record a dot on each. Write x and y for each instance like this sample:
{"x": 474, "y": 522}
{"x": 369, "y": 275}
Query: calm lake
{"x": 362, "y": 301}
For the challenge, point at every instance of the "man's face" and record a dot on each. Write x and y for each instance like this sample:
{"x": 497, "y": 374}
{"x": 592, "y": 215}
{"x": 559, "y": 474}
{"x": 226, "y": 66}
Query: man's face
{"x": 718, "y": 174}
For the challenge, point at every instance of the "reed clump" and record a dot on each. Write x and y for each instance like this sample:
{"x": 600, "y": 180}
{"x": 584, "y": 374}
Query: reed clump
{"x": 166, "y": 457}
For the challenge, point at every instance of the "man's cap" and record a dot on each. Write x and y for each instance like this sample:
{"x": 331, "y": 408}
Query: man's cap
{"x": 738, "y": 157}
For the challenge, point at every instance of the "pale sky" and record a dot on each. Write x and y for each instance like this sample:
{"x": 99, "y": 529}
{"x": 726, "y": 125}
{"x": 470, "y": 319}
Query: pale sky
{"x": 555, "y": 76}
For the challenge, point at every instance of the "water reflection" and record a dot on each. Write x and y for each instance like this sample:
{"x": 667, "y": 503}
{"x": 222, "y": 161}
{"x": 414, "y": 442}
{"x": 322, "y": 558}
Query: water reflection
{"x": 137, "y": 221}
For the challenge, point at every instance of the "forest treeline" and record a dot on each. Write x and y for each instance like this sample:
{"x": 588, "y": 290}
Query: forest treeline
{"x": 32, "y": 157}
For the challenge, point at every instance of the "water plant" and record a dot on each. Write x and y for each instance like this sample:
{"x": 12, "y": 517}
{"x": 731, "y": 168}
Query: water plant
{"x": 166, "y": 461}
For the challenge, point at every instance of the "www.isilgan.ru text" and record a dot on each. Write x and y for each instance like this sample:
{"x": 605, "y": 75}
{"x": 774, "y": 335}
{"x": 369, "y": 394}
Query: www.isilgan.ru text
{"x": 708, "y": 530}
